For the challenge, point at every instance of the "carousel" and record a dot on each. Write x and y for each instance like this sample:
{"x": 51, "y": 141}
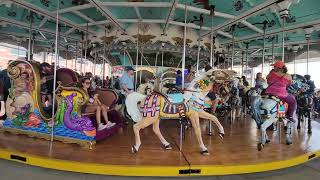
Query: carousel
{"x": 182, "y": 52}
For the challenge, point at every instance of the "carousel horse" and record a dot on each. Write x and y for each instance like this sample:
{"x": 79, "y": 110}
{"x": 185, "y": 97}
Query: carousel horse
{"x": 253, "y": 98}
{"x": 304, "y": 101}
{"x": 75, "y": 122}
{"x": 157, "y": 105}
{"x": 233, "y": 97}
{"x": 273, "y": 109}
{"x": 221, "y": 91}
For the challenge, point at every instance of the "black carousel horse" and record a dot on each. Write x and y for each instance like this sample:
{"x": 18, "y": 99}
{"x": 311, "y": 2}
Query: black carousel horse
{"x": 304, "y": 103}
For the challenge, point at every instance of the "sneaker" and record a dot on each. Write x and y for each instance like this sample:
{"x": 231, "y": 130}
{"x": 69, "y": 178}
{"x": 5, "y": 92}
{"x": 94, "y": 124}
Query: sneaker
{"x": 110, "y": 124}
{"x": 102, "y": 127}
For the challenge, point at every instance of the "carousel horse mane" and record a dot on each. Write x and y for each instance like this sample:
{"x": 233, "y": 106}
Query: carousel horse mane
{"x": 298, "y": 85}
{"x": 235, "y": 82}
{"x": 146, "y": 88}
{"x": 194, "y": 88}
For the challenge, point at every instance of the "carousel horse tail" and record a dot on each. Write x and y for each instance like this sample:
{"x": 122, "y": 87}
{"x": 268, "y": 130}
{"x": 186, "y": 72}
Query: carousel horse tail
{"x": 131, "y": 102}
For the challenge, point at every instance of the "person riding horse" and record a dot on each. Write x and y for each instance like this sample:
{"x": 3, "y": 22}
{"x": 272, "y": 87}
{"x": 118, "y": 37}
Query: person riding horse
{"x": 278, "y": 81}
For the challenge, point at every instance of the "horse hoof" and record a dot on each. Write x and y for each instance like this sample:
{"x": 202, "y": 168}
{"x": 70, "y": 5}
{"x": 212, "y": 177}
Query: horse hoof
{"x": 221, "y": 135}
{"x": 298, "y": 127}
{"x": 309, "y": 131}
{"x": 260, "y": 146}
{"x": 205, "y": 152}
{"x": 167, "y": 147}
{"x": 267, "y": 141}
{"x": 288, "y": 142}
{"x": 285, "y": 128}
{"x": 133, "y": 150}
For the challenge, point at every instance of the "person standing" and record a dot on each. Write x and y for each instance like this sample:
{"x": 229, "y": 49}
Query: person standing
{"x": 127, "y": 87}
{"x": 126, "y": 81}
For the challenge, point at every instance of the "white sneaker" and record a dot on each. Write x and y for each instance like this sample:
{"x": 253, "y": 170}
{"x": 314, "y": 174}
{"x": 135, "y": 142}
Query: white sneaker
{"x": 110, "y": 124}
{"x": 102, "y": 127}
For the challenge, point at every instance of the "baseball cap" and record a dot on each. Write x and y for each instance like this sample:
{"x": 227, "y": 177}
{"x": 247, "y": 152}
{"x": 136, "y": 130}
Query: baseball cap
{"x": 279, "y": 64}
{"x": 129, "y": 68}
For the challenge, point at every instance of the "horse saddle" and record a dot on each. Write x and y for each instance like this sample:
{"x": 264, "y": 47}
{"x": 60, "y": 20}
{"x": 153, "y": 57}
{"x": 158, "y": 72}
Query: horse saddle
{"x": 175, "y": 104}
{"x": 176, "y": 98}
{"x": 280, "y": 107}
{"x": 175, "y": 108}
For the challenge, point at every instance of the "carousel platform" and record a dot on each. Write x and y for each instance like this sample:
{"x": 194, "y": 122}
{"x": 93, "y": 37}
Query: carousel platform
{"x": 236, "y": 154}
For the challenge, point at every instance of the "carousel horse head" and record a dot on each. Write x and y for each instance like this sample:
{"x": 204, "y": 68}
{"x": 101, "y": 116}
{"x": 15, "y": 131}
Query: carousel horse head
{"x": 235, "y": 82}
{"x": 146, "y": 88}
{"x": 200, "y": 85}
{"x": 298, "y": 85}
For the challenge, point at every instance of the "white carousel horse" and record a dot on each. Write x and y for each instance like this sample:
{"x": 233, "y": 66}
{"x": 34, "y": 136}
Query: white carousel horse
{"x": 154, "y": 106}
{"x": 267, "y": 110}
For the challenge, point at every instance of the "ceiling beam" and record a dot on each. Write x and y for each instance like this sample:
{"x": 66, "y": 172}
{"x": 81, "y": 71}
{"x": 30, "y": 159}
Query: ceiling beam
{"x": 126, "y": 21}
{"x": 192, "y": 25}
{"x": 118, "y": 4}
{"x": 43, "y": 21}
{"x": 98, "y": 5}
{"x": 252, "y": 27}
{"x": 75, "y": 8}
{"x": 219, "y": 14}
{"x": 252, "y": 12}
{"x": 78, "y": 13}
{"x": 70, "y": 31}
{"x": 48, "y": 14}
{"x": 137, "y": 4}
{"x": 300, "y": 43}
{"x": 26, "y": 36}
{"x": 138, "y": 13}
{"x": 277, "y": 31}
{"x": 169, "y": 16}
{"x": 27, "y": 26}
{"x": 160, "y": 21}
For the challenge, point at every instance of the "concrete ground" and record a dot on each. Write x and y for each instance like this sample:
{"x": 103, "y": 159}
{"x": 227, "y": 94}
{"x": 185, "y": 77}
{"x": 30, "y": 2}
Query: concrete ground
{"x": 16, "y": 171}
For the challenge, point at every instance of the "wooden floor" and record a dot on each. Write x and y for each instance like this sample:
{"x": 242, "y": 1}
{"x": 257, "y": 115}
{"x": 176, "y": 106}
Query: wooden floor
{"x": 239, "y": 146}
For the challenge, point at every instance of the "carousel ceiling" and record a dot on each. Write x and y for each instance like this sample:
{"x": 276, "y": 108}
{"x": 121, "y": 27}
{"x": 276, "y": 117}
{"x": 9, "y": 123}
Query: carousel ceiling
{"x": 112, "y": 28}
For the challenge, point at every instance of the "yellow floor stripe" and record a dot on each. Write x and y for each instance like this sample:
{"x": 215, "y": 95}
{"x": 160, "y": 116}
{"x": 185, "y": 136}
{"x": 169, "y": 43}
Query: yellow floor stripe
{"x": 122, "y": 170}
